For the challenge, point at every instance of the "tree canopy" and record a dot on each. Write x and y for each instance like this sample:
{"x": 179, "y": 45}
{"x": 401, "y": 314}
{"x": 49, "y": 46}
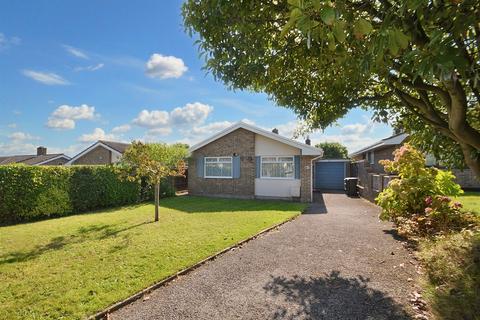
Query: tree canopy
{"x": 153, "y": 162}
{"x": 333, "y": 150}
{"x": 414, "y": 62}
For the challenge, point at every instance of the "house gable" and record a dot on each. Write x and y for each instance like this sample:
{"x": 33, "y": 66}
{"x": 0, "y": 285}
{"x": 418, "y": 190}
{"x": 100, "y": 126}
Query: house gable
{"x": 239, "y": 142}
{"x": 265, "y": 146}
{"x": 97, "y": 154}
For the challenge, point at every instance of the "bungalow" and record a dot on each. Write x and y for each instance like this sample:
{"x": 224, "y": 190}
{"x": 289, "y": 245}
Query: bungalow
{"x": 383, "y": 149}
{"x": 244, "y": 161}
{"x": 101, "y": 152}
{"x": 380, "y": 150}
{"x": 42, "y": 158}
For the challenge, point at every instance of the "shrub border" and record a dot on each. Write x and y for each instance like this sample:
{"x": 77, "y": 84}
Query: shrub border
{"x": 104, "y": 314}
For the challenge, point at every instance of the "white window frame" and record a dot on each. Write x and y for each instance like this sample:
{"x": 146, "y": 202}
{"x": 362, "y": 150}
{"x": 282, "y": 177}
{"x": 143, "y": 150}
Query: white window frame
{"x": 218, "y": 158}
{"x": 276, "y": 178}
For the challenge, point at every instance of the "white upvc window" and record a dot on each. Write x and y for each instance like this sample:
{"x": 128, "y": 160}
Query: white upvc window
{"x": 277, "y": 167}
{"x": 218, "y": 167}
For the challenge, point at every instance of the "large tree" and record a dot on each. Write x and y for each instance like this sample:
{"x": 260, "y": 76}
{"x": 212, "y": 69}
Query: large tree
{"x": 415, "y": 62}
{"x": 153, "y": 162}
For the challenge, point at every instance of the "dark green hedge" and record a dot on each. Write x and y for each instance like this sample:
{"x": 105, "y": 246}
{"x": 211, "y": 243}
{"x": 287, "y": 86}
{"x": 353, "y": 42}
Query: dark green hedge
{"x": 35, "y": 192}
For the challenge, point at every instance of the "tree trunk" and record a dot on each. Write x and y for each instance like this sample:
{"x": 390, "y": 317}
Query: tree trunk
{"x": 473, "y": 164}
{"x": 157, "y": 199}
{"x": 454, "y": 125}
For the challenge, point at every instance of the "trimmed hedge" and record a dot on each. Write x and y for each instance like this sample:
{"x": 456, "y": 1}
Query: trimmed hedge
{"x": 36, "y": 192}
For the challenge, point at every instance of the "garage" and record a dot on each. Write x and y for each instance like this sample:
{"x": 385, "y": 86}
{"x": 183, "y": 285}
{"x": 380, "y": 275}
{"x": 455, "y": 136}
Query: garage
{"x": 329, "y": 174}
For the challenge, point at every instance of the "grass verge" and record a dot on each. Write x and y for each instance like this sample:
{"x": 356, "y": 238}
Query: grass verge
{"x": 471, "y": 201}
{"x": 69, "y": 268}
{"x": 452, "y": 280}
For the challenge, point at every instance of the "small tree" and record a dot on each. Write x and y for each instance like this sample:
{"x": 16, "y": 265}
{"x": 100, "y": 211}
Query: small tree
{"x": 333, "y": 150}
{"x": 153, "y": 162}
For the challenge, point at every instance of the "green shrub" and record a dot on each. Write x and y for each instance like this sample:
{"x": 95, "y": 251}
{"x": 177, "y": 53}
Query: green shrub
{"x": 452, "y": 274}
{"x": 94, "y": 187}
{"x": 27, "y": 192}
{"x": 445, "y": 184}
{"x": 35, "y": 192}
{"x": 417, "y": 202}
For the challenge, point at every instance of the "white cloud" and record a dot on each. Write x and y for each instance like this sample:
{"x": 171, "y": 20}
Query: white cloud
{"x": 151, "y": 119}
{"x": 71, "y": 150}
{"x": 190, "y": 113}
{"x": 353, "y": 136}
{"x": 64, "y": 116}
{"x": 92, "y": 68}
{"x": 7, "y": 42}
{"x": 75, "y": 52}
{"x": 248, "y": 121}
{"x": 353, "y": 142}
{"x": 122, "y": 129}
{"x": 12, "y": 125}
{"x": 15, "y": 148}
{"x": 19, "y": 143}
{"x": 61, "y": 124}
{"x": 47, "y": 78}
{"x": 356, "y": 128}
{"x": 21, "y": 136}
{"x": 164, "y": 67}
{"x": 75, "y": 113}
{"x": 97, "y": 134}
{"x": 287, "y": 129}
{"x": 154, "y": 134}
{"x": 210, "y": 128}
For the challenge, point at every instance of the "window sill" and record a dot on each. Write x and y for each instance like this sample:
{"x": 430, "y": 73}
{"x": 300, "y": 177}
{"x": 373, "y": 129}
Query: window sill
{"x": 218, "y": 177}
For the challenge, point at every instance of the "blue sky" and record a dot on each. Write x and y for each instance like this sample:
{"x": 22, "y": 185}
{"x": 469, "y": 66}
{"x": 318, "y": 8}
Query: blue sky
{"x": 74, "y": 72}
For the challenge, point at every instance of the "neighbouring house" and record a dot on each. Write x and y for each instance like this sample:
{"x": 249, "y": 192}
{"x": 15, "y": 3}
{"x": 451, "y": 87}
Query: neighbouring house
{"x": 381, "y": 150}
{"x": 244, "y": 161}
{"x": 101, "y": 152}
{"x": 368, "y": 163}
{"x": 42, "y": 158}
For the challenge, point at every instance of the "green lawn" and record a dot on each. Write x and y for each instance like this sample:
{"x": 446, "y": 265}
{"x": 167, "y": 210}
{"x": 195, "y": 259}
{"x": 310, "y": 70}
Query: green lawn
{"x": 71, "y": 267}
{"x": 471, "y": 201}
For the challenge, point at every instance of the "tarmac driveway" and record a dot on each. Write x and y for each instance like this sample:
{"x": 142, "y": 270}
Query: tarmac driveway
{"x": 337, "y": 261}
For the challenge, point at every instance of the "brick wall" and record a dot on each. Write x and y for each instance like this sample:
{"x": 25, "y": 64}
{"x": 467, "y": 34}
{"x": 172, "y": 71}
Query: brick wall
{"x": 370, "y": 183}
{"x": 241, "y": 142}
{"x": 382, "y": 154}
{"x": 98, "y": 155}
{"x": 306, "y": 178}
{"x": 466, "y": 179}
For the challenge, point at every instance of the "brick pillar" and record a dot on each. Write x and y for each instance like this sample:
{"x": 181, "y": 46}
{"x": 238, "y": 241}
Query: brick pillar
{"x": 306, "y": 178}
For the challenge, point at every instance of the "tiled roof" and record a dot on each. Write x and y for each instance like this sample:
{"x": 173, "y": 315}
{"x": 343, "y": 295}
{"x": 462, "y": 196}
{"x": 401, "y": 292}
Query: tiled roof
{"x": 15, "y": 159}
{"x": 40, "y": 159}
{"x": 396, "y": 139}
{"x": 119, "y": 146}
{"x": 29, "y": 159}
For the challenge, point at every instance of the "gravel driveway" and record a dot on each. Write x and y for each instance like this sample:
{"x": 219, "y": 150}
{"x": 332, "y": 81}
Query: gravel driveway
{"x": 337, "y": 261}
